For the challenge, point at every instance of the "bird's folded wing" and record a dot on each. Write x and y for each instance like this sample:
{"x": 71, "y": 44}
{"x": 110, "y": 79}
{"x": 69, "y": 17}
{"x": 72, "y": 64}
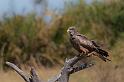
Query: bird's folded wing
{"x": 84, "y": 41}
{"x": 95, "y": 43}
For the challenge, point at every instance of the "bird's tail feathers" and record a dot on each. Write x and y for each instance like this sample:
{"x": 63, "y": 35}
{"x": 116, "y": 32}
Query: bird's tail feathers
{"x": 104, "y": 58}
{"x": 102, "y": 52}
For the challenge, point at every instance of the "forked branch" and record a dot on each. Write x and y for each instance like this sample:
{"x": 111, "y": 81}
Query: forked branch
{"x": 63, "y": 76}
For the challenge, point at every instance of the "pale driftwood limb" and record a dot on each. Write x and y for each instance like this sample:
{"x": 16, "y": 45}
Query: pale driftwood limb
{"x": 65, "y": 72}
{"x": 28, "y": 78}
{"x": 79, "y": 68}
{"x": 19, "y": 71}
{"x": 68, "y": 69}
{"x": 63, "y": 76}
{"x": 34, "y": 76}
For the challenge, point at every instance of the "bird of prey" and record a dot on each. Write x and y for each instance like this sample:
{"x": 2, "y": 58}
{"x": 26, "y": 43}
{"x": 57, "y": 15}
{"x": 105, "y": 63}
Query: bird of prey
{"x": 83, "y": 45}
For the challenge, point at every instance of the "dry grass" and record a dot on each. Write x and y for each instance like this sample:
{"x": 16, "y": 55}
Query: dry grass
{"x": 12, "y": 76}
{"x": 102, "y": 72}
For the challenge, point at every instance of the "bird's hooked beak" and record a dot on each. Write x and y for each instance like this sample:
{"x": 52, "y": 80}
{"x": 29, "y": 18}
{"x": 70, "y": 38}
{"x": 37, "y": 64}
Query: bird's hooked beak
{"x": 71, "y": 30}
{"x": 68, "y": 30}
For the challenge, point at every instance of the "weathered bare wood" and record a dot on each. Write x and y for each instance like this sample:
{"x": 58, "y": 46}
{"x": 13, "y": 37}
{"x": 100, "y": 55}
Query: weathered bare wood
{"x": 79, "y": 68}
{"x": 34, "y": 76}
{"x": 63, "y": 76}
{"x": 68, "y": 69}
{"x": 19, "y": 71}
{"x": 28, "y": 78}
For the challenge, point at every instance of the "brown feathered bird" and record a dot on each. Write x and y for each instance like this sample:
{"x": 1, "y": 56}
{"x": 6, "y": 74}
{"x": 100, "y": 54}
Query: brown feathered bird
{"x": 83, "y": 45}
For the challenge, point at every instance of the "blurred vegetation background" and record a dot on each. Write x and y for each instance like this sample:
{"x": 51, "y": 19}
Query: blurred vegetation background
{"x": 30, "y": 40}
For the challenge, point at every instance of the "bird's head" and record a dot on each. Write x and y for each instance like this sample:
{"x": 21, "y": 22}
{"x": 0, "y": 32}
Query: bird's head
{"x": 71, "y": 30}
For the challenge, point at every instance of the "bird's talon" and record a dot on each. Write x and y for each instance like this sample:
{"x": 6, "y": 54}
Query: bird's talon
{"x": 88, "y": 55}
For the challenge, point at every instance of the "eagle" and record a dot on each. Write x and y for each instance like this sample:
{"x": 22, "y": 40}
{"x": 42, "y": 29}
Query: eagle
{"x": 84, "y": 45}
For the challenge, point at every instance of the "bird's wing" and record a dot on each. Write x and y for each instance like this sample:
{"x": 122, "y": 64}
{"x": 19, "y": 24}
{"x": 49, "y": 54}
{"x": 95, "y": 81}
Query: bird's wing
{"x": 85, "y": 41}
{"x": 95, "y": 44}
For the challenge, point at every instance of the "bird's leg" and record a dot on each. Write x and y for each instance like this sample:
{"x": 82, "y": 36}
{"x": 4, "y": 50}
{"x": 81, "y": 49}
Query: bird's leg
{"x": 84, "y": 53}
{"x": 90, "y": 54}
{"x": 94, "y": 53}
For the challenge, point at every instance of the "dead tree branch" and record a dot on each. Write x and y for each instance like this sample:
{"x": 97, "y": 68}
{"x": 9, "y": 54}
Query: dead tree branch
{"x": 63, "y": 76}
{"x": 68, "y": 69}
{"x": 33, "y": 77}
{"x": 19, "y": 71}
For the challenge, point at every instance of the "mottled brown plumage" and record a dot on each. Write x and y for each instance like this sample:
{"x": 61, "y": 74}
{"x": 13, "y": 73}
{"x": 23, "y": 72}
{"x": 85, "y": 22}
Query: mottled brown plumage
{"x": 83, "y": 45}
